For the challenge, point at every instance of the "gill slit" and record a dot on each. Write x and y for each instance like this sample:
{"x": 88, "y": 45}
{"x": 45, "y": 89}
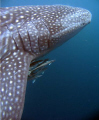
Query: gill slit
{"x": 49, "y": 38}
{"x": 29, "y": 41}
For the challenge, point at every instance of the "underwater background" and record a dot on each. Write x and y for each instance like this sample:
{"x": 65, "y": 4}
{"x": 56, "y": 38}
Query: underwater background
{"x": 69, "y": 88}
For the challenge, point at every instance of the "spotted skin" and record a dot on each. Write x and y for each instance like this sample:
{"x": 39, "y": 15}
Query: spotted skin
{"x": 26, "y": 33}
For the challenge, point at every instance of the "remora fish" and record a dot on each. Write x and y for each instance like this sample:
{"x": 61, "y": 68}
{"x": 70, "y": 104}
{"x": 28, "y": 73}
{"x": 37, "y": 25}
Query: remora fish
{"x": 26, "y": 33}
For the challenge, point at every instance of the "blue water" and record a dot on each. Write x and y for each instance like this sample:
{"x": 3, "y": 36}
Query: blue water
{"x": 69, "y": 89}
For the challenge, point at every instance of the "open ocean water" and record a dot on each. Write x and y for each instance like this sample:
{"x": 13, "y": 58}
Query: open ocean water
{"x": 69, "y": 89}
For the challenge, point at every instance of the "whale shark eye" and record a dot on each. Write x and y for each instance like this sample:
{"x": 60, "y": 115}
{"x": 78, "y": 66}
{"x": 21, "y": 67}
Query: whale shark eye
{"x": 83, "y": 24}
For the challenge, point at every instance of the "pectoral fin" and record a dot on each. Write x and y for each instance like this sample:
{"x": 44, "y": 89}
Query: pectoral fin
{"x": 13, "y": 80}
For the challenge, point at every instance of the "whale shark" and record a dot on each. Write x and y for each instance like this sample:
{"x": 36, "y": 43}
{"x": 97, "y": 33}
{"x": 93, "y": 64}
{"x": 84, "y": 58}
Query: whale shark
{"x": 26, "y": 34}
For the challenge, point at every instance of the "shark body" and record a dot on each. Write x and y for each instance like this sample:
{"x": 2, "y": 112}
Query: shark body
{"x": 26, "y": 33}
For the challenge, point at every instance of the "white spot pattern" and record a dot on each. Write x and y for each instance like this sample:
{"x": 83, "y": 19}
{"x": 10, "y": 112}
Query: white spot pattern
{"x": 38, "y": 28}
{"x": 13, "y": 84}
{"x": 26, "y": 33}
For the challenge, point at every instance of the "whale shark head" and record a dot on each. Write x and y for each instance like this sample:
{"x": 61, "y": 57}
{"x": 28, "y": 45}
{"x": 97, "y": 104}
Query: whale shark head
{"x": 26, "y": 33}
{"x": 39, "y": 29}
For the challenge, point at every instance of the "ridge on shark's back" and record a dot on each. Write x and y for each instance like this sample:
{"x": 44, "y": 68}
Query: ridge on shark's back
{"x": 26, "y": 33}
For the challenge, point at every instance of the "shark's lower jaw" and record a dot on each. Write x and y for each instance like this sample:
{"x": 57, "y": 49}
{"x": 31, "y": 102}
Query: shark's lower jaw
{"x": 27, "y": 32}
